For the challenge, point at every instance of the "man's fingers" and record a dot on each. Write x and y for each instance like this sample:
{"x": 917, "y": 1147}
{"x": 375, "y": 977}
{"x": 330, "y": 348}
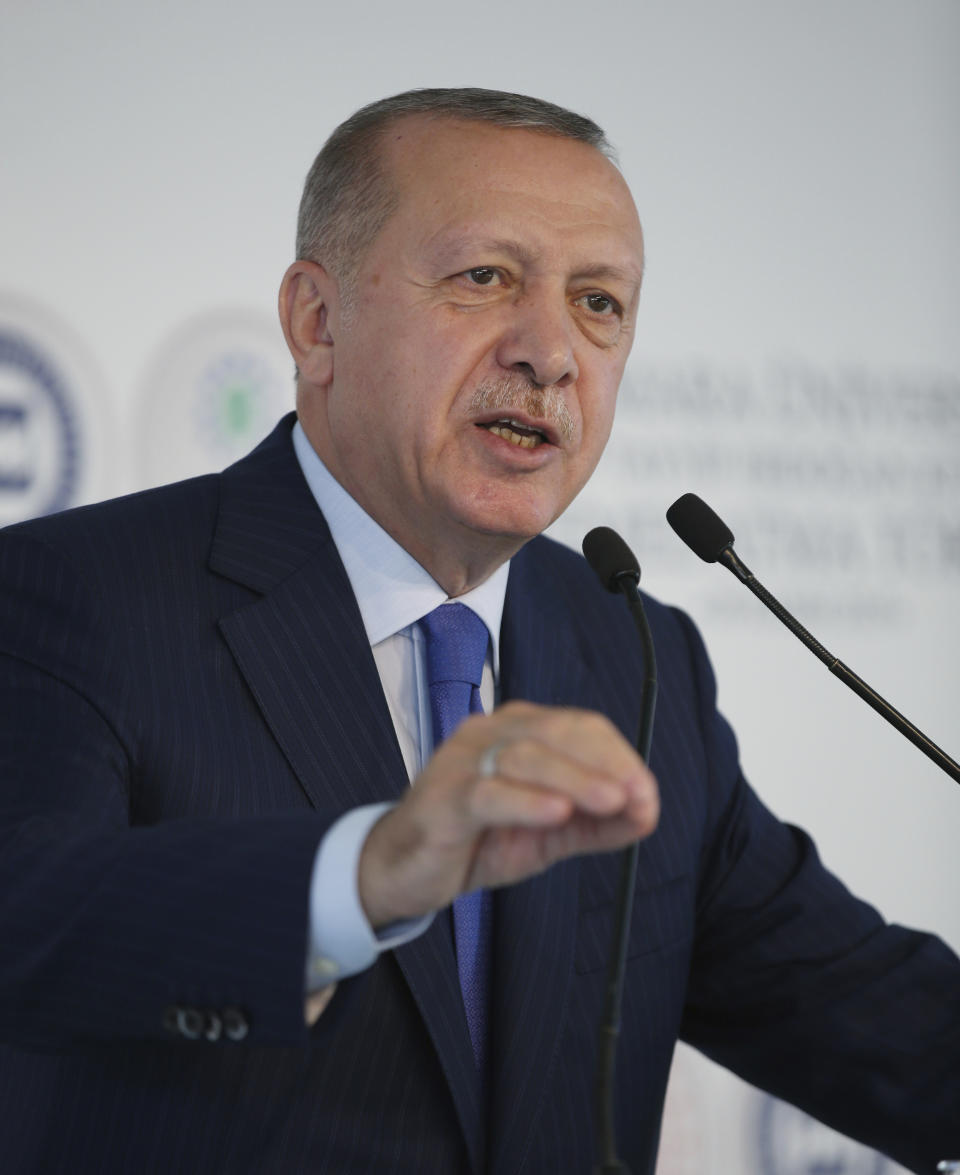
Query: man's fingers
{"x": 510, "y": 853}
{"x": 576, "y": 753}
{"x": 530, "y": 764}
{"x": 494, "y": 802}
{"x": 500, "y": 804}
{"x": 584, "y": 736}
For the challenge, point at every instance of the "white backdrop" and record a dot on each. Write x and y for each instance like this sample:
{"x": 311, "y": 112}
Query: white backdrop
{"x": 797, "y": 168}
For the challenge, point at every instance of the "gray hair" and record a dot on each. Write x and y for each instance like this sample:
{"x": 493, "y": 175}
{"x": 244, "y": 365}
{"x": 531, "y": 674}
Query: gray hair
{"x": 348, "y": 197}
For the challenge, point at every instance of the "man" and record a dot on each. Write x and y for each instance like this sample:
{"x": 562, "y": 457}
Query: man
{"x": 226, "y": 915}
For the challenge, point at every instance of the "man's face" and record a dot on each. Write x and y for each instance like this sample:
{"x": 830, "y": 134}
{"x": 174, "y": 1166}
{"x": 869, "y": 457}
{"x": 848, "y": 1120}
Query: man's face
{"x": 475, "y": 376}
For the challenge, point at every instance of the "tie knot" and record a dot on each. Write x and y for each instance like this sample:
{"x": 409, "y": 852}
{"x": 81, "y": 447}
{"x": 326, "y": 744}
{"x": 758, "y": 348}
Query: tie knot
{"x": 456, "y": 640}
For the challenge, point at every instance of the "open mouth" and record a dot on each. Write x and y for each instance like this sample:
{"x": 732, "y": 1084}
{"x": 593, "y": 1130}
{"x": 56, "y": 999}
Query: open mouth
{"x": 516, "y": 433}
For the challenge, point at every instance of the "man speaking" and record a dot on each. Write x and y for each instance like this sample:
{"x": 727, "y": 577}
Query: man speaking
{"x": 312, "y": 768}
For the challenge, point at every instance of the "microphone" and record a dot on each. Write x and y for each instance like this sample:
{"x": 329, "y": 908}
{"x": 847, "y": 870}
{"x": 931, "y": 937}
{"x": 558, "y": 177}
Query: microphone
{"x": 610, "y": 557}
{"x": 709, "y": 537}
{"x": 617, "y": 569}
{"x": 705, "y": 533}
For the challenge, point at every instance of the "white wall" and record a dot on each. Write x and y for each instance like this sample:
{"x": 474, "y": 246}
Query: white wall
{"x": 797, "y": 168}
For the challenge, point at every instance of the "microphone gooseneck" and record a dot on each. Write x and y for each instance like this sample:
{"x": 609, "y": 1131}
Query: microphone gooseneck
{"x": 618, "y": 570}
{"x": 710, "y": 538}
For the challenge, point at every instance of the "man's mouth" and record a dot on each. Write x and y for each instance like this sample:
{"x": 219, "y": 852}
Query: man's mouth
{"x": 516, "y": 433}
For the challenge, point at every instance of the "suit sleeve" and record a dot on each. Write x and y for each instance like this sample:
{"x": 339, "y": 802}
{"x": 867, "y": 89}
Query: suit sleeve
{"x": 108, "y": 928}
{"x": 804, "y": 990}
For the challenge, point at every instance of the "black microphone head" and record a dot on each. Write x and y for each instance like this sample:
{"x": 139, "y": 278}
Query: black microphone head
{"x": 705, "y": 533}
{"x": 610, "y": 557}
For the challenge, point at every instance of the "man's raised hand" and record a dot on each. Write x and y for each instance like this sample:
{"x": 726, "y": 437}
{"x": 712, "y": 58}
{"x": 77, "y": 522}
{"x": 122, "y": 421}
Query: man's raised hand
{"x": 505, "y": 797}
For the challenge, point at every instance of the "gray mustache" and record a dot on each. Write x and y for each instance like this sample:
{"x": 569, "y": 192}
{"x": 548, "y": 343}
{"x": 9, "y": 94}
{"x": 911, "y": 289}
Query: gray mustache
{"x": 520, "y": 396}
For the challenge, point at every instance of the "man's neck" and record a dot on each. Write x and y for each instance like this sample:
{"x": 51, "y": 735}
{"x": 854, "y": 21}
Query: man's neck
{"x": 460, "y": 571}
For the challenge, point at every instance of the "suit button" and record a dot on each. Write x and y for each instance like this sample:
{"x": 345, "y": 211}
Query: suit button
{"x": 214, "y": 1026}
{"x": 235, "y": 1024}
{"x": 190, "y": 1022}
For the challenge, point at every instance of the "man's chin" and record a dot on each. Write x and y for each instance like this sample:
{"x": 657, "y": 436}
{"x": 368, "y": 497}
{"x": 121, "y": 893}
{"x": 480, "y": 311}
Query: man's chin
{"x": 510, "y": 506}
{"x": 514, "y": 526}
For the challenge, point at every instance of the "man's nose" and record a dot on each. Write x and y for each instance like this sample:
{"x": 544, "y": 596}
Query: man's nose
{"x": 540, "y": 342}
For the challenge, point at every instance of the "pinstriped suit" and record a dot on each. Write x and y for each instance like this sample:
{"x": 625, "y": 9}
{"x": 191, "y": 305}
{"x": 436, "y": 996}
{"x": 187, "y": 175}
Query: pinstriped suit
{"x": 187, "y": 700}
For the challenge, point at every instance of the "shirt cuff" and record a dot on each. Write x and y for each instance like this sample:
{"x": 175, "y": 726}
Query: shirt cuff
{"x": 341, "y": 941}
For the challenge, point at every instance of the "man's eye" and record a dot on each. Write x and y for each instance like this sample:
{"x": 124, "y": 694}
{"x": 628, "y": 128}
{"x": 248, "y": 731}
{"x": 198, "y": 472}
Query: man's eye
{"x": 482, "y": 275}
{"x": 601, "y": 304}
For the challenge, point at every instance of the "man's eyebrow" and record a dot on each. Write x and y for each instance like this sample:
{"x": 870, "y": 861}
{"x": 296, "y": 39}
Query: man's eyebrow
{"x": 631, "y": 274}
{"x": 463, "y": 244}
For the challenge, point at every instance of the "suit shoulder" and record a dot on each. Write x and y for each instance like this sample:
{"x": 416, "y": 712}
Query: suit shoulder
{"x": 179, "y": 513}
{"x": 555, "y": 566}
{"x": 148, "y": 518}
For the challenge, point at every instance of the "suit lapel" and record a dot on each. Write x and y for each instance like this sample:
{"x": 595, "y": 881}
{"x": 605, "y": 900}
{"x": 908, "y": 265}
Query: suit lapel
{"x": 303, "y": 651}
{"x": 301, "y": 646}
{"x": 535, "y": 922}
{"x": 429, "y": 966}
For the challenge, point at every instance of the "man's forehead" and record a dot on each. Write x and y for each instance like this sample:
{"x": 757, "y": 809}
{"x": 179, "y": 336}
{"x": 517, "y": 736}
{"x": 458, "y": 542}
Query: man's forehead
{"x": 467, "y": 169}
{"x": 440, "y": 141}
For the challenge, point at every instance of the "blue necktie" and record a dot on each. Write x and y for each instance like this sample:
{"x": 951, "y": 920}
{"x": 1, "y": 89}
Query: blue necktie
{"x": 456, "y": 642}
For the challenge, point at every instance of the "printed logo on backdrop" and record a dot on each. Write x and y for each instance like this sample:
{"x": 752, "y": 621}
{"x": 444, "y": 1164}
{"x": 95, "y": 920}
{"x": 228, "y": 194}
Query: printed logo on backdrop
{"x": 791, "y": 1143}
{"x": 216, "y": 386}
{"x": 52, "y": 418}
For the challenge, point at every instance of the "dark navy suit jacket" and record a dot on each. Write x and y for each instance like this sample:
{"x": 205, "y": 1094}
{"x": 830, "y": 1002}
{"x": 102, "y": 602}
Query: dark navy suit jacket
{"x": 187, "y": 701}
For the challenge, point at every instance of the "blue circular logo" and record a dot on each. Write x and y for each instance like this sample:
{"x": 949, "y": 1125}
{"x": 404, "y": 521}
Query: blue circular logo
{"x": 39, "y": 438}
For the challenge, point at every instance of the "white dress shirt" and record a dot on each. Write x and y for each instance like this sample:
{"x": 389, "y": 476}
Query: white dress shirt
{"x": 393, "y": 592}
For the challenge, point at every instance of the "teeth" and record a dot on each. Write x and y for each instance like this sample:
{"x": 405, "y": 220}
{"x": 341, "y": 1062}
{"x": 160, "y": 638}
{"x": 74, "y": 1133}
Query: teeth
{"x": 525, "y": 441}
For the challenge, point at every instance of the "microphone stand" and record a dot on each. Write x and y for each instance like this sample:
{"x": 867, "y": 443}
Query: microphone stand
{"x": 607, "y": 1162}
{"x": 734, "y": 564}
{"x": 709, "y": 537}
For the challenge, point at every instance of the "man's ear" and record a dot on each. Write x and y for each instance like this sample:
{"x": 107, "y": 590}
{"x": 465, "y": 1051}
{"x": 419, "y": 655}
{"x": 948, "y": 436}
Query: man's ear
{"x": 306, "y": 294}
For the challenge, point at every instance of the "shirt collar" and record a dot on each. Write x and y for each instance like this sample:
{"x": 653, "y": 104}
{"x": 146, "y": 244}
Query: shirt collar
{"x": 392, "y": 589}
